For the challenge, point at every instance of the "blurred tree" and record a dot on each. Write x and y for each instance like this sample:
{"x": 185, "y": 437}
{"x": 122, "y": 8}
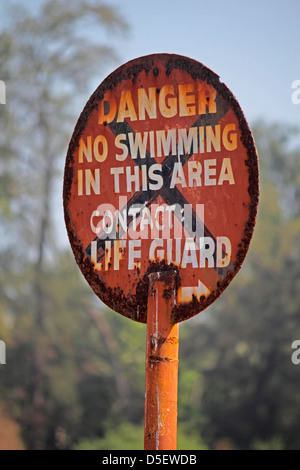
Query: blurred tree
{"x": 49, "y": 55}
{"x": 245, "y": 385}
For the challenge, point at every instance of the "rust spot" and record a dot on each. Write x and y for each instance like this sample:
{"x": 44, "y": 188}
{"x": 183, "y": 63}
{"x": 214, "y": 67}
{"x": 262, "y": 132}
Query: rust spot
{"x": 167, "y": 294}
{"x": 154, "y": 359}
{"x": 157, "y": 341}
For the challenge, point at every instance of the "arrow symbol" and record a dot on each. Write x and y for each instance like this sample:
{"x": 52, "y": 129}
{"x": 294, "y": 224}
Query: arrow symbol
{"x": 185, "y": 294}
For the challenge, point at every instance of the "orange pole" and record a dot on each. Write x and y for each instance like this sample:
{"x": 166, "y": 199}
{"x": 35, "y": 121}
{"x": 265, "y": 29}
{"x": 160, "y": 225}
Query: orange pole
{"x": 161, "y": 380}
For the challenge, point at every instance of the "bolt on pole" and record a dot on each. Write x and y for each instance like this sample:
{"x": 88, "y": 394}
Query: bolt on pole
{"x": 161, "y": 377}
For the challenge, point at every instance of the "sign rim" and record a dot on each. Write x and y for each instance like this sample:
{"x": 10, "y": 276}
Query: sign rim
{"x": 113, "y": 297}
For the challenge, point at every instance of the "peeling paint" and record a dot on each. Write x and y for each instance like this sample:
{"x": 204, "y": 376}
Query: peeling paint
{"x": 131, "y": 299}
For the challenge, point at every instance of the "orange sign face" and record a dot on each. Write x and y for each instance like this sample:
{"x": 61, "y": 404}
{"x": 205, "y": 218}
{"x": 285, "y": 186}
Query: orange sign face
{"x": 161, "y": 174}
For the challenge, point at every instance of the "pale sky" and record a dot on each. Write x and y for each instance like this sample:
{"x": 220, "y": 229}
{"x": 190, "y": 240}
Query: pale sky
{"x": 254, "y": 46}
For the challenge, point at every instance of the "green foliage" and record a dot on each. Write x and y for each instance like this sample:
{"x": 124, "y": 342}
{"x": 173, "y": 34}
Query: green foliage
{"x": 123, "y": 437}
{"x": 131, "y": 437}
{"x": 58, "y": 360}
{"x": 247, "y": 385}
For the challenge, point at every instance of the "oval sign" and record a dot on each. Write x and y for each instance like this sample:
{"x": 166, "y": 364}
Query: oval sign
{"x": 161, "y": 174}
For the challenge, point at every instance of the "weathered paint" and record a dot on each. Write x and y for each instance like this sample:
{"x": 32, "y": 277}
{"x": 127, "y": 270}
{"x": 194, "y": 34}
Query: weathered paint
{"x": 161, "y": 376}
{"x": 230, "y": 210}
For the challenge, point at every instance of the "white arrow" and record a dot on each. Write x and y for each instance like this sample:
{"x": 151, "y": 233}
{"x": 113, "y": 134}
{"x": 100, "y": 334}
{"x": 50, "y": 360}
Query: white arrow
{"x": 185, "y": 294}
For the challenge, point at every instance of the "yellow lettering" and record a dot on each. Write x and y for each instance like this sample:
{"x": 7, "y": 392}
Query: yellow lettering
{"x": 167, "y": 107}
{"x": 126, "y": 107}
{"x": 186, "y": 100}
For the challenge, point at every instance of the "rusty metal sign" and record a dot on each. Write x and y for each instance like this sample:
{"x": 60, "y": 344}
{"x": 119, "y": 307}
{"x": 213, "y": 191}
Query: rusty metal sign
{"x": 161, "y": 174}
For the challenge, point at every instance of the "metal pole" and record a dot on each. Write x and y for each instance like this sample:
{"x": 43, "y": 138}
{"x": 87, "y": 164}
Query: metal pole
{"x": 161, "y": 380}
